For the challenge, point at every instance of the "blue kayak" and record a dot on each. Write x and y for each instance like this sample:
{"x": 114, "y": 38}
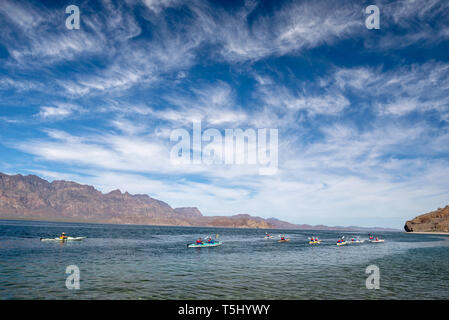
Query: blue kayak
{"x": 215, "y": 244}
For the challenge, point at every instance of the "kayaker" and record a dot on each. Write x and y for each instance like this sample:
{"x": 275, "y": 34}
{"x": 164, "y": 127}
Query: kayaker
{"x": 283, "y": 238}
{"x": 199, "y": 241}
{"x": 63, "y": 236}
{"x": 210, "y": 240}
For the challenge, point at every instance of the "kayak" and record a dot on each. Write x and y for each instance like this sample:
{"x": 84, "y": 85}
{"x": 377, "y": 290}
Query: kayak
{"x": 377, "y": 241}
{"x": 66, "y": 239}
{"x": 270, "y": 237}
{"x": 194, "y": 245}
{"x": 342, "y": 243}
{"x": 286, "y": 240}
{"x": 355, "y": 241}
{"x": 315, "y": 242}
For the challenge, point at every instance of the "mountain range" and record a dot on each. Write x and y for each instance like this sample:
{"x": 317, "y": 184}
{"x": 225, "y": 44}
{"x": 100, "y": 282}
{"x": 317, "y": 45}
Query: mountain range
{"x": 31, "y": 197}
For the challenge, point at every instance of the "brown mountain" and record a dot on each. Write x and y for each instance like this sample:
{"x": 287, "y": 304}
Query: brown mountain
{"x": 435, "y": 221}
{"x": 30, "y": 197}
{"x": 191, "y": 212}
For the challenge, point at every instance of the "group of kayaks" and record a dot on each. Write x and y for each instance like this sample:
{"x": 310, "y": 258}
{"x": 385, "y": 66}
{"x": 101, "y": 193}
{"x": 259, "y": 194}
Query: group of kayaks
{"x": 312, "y": 240}
{"x": 355, "y": 240}
{"x": 343, "y": 243}
{"x": 282, "y": 238}
{"x": 210, "y": 242}
{"x": 340, "y": 242}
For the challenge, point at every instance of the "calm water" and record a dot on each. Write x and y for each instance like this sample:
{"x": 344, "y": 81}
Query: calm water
{"x": 146, "y": 262}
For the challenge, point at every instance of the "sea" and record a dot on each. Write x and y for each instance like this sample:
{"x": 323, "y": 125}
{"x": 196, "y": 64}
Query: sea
{"x": 133, "y": 262}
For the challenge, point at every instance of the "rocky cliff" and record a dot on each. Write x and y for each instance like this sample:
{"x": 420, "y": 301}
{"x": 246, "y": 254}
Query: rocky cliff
{"x": 435, "y": 221}
{"x": 30, "y": 197}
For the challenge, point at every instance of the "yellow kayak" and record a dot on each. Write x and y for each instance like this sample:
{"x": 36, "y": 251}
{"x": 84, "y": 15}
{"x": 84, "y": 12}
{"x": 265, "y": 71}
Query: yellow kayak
{"x": 315, "y": 242}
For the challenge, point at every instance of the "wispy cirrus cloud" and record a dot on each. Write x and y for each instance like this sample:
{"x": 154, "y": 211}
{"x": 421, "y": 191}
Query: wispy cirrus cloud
{"x": 43, "y": 38}
{"x": 59, "y": 111}
{"x": 414, "y": 88}
{"x": 281, "y": 97}
{"x": 295, "y": 26}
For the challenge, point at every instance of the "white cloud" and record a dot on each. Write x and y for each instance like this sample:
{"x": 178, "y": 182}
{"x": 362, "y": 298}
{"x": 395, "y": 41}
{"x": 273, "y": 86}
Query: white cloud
{"x": 213, "y": 104}
{"x": 158, "y": 5}
{"x": 314, "y": 104}
{"x": 418, "y": 87}
{"x": 24, "y": 15}
{"x": 294, "y": 27}
{"x": 44, "y": 40}
{"x": 59, "y": 111}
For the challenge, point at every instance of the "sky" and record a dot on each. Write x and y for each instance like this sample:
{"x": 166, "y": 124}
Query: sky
{"x": 362, "y": 114}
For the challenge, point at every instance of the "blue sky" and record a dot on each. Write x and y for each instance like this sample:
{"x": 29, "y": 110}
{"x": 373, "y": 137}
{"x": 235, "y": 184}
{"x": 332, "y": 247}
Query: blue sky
{"x": 362, "y": 114}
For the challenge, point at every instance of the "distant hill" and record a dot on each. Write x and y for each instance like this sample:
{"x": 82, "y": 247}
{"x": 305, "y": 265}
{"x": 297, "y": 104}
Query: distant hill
{"x": 286, "y": 225}
{"x": 31, "y": 197}
{"x": 435, "y": 221}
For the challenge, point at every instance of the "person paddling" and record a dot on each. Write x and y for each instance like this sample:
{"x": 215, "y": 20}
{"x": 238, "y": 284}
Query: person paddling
{"x": 199, "y": 241}
{"x": 63, "y": 236}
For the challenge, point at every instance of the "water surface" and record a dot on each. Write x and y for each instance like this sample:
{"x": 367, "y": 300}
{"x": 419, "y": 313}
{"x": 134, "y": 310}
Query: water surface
{"x": 149, "y": 262}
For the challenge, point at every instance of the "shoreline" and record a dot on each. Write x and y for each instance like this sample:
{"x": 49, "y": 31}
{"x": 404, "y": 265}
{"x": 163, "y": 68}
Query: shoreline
{"x": 42, "y": 219}
{"x": 428, "y": 232}
{"x": 56, "y": 220}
